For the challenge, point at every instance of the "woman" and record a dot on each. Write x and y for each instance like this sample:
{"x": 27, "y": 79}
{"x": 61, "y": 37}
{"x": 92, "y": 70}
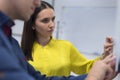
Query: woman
{"x": 48, "y": 55}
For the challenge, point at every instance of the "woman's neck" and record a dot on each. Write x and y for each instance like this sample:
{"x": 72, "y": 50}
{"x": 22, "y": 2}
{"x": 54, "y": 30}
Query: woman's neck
{"x": 44, "y": 41}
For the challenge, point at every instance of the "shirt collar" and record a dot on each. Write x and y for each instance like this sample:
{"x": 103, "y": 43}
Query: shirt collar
{"x": 52, "y": 41}
{"x": 5, "y": 20}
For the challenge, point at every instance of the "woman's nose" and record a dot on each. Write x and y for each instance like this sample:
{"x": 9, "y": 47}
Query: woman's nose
{"x": 52, "y": 24}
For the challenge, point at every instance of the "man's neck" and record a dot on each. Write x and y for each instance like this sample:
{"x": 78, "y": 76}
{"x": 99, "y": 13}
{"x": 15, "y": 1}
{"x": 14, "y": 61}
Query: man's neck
{"x": 6, "y": 9}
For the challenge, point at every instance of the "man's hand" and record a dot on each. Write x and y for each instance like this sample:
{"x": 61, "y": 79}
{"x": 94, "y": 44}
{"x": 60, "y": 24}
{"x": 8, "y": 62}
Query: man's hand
{"x": 102, "y": 69}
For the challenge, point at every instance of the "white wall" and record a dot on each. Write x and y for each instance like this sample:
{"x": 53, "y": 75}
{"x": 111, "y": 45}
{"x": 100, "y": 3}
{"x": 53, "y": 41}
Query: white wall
{"x": 17, "y": 30}
{"x": 84, "y": 3}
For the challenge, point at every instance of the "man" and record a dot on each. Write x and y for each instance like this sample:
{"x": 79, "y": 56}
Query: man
{"x": 13, "y": 65}
{"x": 12, "y": 62}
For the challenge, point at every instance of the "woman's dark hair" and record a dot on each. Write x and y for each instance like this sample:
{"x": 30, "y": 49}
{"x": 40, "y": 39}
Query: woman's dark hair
{"x": 28, "y": 36}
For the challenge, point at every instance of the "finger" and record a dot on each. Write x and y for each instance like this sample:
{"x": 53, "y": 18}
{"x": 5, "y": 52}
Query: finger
{"x": 109, "y": 42}
{"x": 106, "y": 45}
{"x": 108, "y": 50}
{"x": 109, "y": 58}
{"x": 109, "y": 74}
{"x": 109, "y": 39}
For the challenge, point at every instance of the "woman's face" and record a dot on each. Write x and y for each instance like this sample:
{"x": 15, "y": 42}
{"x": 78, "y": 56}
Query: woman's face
{"x": 44, "y": 23}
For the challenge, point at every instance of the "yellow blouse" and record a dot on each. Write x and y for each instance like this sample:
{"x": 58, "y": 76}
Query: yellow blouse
{"x": 59, "y": 58}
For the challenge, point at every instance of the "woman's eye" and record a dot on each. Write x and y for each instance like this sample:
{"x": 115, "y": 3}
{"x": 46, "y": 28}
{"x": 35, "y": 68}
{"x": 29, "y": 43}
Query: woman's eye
{"x": 53, "y": 19}
{"x": 46, "y": 20}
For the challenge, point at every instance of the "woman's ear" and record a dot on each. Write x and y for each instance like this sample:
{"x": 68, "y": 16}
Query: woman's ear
{"x": 33, "y": 27}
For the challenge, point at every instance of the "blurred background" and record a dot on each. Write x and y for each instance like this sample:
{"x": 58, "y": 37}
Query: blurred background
{"x": 85, "y": 23}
